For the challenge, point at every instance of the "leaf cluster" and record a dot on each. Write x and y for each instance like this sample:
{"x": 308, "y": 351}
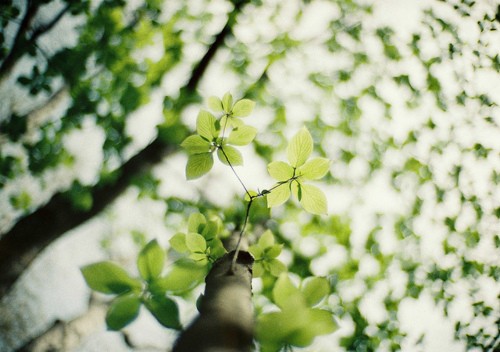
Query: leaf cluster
{"x": 291, "y": 176}
{"x": 107, "y": 277}
{"x": 210, "y": 137}
{"x": 297, "y": 322}
{"x": 265, "y": 252}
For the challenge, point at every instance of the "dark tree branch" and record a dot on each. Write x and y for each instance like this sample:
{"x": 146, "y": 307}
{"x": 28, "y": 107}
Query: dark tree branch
{"x": 20, "y": 40}
{"x": 20, "y": 246}
{"x": 226, "y": 321}
{"x": 36, "y": 231}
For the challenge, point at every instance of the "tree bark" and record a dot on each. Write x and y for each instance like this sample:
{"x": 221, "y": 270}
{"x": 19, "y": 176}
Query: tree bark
{"x": 226, "y": 321}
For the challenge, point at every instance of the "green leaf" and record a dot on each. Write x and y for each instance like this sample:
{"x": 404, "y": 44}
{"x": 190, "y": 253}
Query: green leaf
{"x": 228, "y": 121}
{"x": 198, "y": 165}
{"x": 314, "y": 168}
{"x": 276, "y": 268}
{"x": 217, "y": 249}
{"x": 178, "y": 242}
{"x": 107, "y": 277}
{"x": 269, "y": 331}
{"x": 242, "y": 135}
{"x": 196, "y": 223}
{"x": 280, "y": 171}
{"x": 165, "y": 310}
{"x": 206, "y": 126}
{"x": 278, "y": 195}
{"x": 243, "y": 107}
{"x": 123, "y": 311}
{"x": 273, "y": 251}
{"x": 184, "y": 275}
{"x": 227, "y": 102}
{"x": 213, "y": 228}
{"x": 315, "y": 289}
{"x": 258, "y": 269}
{"x": 151, "y": 260}
{"x": 196, "y": 242}
{"x": 266, "y": 240}
{"x": 300, "y": 148}
{"x": 230, "y": 155}
{"x": 313, "y": 199}
{"x": 196, "y": 145}
{"x": 215, "y": 104}
{"x": 283, "y": 288}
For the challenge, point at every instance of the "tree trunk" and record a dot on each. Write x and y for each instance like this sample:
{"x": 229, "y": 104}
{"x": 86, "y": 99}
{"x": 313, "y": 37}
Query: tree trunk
{"x": 226, "y": 321}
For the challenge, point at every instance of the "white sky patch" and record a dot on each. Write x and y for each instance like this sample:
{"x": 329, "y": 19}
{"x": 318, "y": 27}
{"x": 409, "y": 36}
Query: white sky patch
{"x": 88, "y": 161}
{"x": 421, "y": 316}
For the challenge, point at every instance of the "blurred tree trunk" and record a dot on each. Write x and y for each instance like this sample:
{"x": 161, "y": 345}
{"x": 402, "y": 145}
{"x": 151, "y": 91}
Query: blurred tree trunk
{"x": 226, "y": 321}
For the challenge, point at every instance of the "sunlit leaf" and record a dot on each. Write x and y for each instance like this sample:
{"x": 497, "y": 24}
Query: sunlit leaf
{"x": 243, "y": 107}
{"x": 123, "y": 311}
{"x": 283, "y": 288}
{"x": 273, "y": 251}
{"x": 315, "y": 289}
{"x": 215, "y": 104}
{"x": 196, "y": 223}
{"x": 242, "y": 135}
{"x": 266, "y": 239}
{"x": 227, "y": 102}
{"x": 314, "y": 168}
{"x": 178, "y": 242}
{"x": 280, "y": 171}
{"x": 195, "y": 144}
{"x": 230, "y": 155}
{"x": 300, "y": 148}
{"x": 278, "y": 195}
{"x": 206, "y": 125}
{"x": 313, "y": 199}
{"x": 107, "y": 277}
{"x": 276, "y": 267}
{"x": 150, "y": 260}
{"x": 196, "y": 242}
{"x": 182, "y": 277}
{"x": 198, "y": 165}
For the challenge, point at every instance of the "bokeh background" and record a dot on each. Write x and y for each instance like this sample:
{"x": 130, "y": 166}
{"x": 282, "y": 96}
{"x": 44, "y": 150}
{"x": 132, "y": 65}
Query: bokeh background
{"x": 402, "y": 95}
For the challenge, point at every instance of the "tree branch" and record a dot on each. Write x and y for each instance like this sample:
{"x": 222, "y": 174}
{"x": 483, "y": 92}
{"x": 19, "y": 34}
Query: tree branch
{"x": 226, "y": 321}
{"x": 20, "y": 246}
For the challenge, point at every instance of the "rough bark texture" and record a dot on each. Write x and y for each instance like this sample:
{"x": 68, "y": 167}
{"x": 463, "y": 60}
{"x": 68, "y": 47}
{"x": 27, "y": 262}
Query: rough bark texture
{"x": 226, "y": 321}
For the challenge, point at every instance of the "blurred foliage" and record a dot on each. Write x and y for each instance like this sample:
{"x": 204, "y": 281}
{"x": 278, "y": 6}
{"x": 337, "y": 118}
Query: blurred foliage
{"x": 407, "y": 112}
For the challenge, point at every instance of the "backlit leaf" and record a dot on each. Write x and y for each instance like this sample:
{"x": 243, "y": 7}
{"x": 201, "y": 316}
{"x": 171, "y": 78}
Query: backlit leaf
{"x": 206, "y": 125}
{"x": 314, "y": 168}
{"x": 315, "y": 289}
{"x": 230, "y": 155}
{"x": 243, "y": 107}
{"x": 178, "y": 242}
{"x": 280, "y": 171}
{"x": 195, "y": 144}
{"x": 242, "y": 135}
{"x": 196, "y": 242}
{"x": 278, "y": 195}
{"x": 283, "y": 288}
{"x": 227, "y": 102}
{"x": 150, "y": 260}
{"x": 215, "y": 104}
{"x": 313, "y": 199}
{"x": 300, "y": 148}
{"x": 196, "y": 223}
{"x": 198, "y": 165}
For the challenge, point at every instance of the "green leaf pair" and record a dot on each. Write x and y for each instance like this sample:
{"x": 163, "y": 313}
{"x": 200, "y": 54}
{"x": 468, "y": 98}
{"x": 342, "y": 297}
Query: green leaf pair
{"x": 210, "y": 137}
{"x": 107, "y": 277}
{"x": 291, "y": 176}
{"x": 265, "y": 252}
{"x": 297, "y": 323}
{"x": 202, "y": 239}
